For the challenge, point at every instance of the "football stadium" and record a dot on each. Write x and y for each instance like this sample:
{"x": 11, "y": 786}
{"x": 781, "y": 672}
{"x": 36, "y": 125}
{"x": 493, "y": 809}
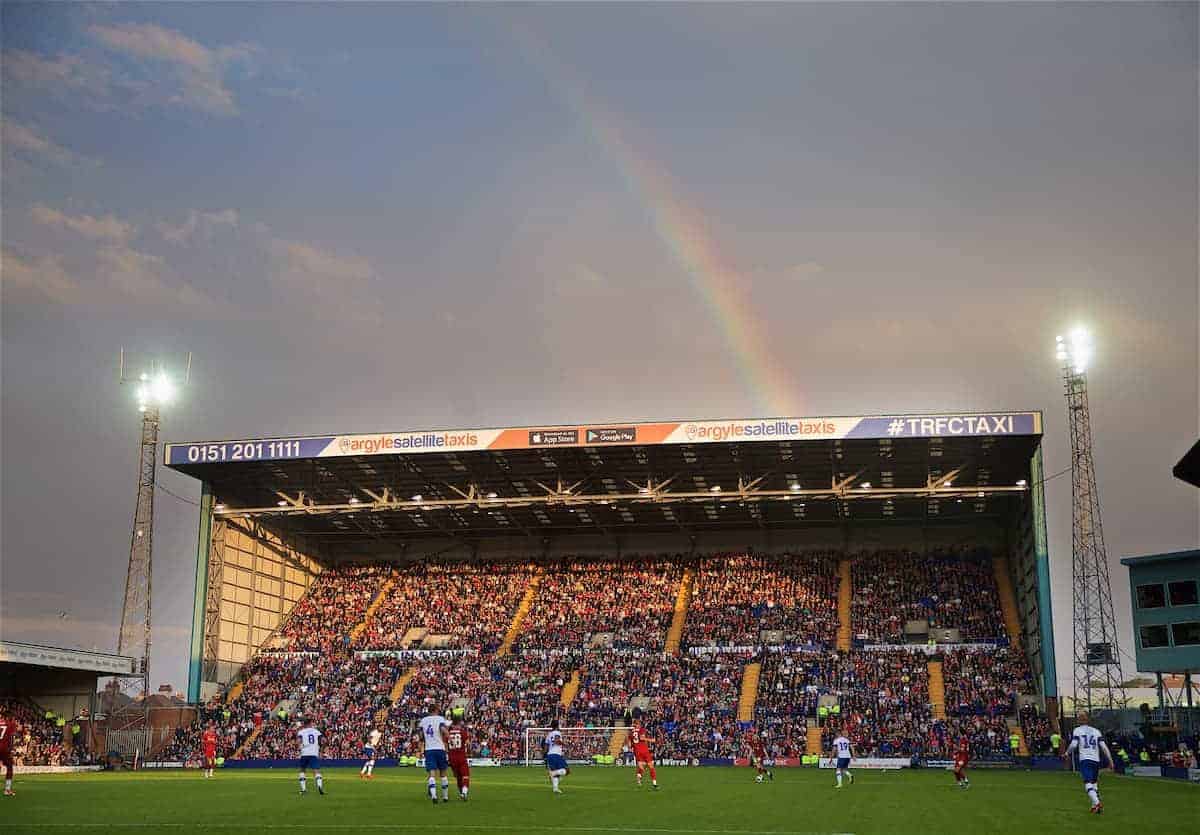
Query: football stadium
{"x": 746, "y": 595}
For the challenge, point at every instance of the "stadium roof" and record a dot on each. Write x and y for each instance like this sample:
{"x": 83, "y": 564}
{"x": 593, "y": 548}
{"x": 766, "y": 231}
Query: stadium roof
{"x": 37, "y": 655}
{"x": 622, "y": 478}
{"x": 1174, "y": 556}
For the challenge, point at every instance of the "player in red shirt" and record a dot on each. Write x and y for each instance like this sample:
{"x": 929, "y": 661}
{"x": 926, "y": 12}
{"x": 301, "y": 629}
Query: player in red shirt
{"x": 640, "y": 740}
{"x": 758, "y": 756}
{"x": 961, "y": 757}
{"x": 8, "y": 730}
{"x": 209, "y": 741}
{"x": 458, "y": 741}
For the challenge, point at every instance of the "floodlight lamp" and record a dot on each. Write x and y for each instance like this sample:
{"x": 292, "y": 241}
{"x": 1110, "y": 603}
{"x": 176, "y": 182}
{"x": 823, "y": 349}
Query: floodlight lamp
{"x": 417, "y": 497}
{"x": 866, "y": 485}
{"x": 1022, "y": 482}
{"x": 162, "y": 390}
{"x": 716, "y": 488}
{"x": 354, "y": 500}
{"x": 282, "y": 503}
{"x": 491, "y": 495}
{"x": 947, "y": 483}
{"x": 795, "y": 486}
{"x": 218, "y": 506}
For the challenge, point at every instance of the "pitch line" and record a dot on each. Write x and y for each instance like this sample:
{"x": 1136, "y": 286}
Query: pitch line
{"x": 425, "y": 826}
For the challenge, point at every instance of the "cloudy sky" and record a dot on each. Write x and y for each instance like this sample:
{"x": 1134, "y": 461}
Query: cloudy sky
{"x": 382, "y": 217}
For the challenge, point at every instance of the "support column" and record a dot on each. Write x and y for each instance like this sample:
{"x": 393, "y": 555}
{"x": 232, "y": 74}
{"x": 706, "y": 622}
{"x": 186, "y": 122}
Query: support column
{"x": 201, "y": 593}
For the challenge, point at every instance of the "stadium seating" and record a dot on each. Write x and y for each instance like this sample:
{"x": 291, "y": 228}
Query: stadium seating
{"x": 951, "y": 589}
{"x": 738, "y": 596}
{"x": 39, "y": 741}
{"x": 602, "y": 623}
{"x": 470, "y": 605}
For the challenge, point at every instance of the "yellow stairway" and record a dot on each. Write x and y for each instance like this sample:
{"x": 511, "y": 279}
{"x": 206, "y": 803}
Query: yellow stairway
{"x": 745, "y": 710}
{"x": 937, "y": 690}
{"x": 235, "y": 691}
{"x": 813, "y": 744}
{"x": 569, "y": 690}
{"x": 514, "y": 628}
{"x": 249, "y": 741}
{"x": 845, "y": 595}
{"x": 388, "y": 585}
{"x": 682, "y": 601}
{"x": 1008, "y": 600}
{"x": 617, "y": 742}
{"x": 397, "y": 692}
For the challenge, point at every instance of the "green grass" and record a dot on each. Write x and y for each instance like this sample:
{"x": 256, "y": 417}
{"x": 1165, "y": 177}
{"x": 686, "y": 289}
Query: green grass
{"x": 708, "y": 801}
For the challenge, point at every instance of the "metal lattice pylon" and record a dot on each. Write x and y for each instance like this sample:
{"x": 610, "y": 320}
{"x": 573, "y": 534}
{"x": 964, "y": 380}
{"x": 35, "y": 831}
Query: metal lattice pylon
{"x": 135, "y": 633}
{"x": 1097, "y": 652}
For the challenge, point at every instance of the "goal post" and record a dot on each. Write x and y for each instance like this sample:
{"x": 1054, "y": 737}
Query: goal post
{"x": 580, "y": 744}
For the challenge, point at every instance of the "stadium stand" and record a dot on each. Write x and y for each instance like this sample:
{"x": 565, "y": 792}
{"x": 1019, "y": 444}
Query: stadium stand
{"x": 589, "y": 636}
{"x": 39, "y": 741}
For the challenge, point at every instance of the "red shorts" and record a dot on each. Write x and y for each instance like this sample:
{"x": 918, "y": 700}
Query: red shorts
{"x": 458, "y": 762}
{"x": 210, "y": 759}
{"x": 960, "y": 764}
{"x": 641, "y": 753}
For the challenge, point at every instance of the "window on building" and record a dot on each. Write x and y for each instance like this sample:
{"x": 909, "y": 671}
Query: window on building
{"x": 1183, "y": 593}
{"x": 1154, "y": 636}
{"x": 1152, "y": 596}
{"x": 1186, "y": 634}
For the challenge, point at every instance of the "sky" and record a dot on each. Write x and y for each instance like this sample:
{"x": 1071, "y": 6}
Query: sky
{"x": 382, "y": 217}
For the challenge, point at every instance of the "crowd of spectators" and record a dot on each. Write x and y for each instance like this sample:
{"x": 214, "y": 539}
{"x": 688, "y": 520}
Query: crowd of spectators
{"x": 39, "y": 740}
{"x": 882, "y": 697}
{"x": 951, "y": 589}
{"x": 337, "y": 601}
{"x": 985, "y": 683}
{"x": 471, "y": 605}
{"x": 1036, "y": 727}
{"x": 631, "y": 599}
{"x": 738, "y": 596}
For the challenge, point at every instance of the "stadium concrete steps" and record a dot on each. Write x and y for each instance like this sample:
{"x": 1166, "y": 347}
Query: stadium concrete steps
{"x": 248, "y": 741}
{"x": 394, "y": 696}
{"x": 746, "y": 701}
{"x": 235, "y": 691}
{"x": 1008, "y": 600}
{"x": 570, "y": 690}
{"x": 845, "y": 595}
{"x": 1014, "y": 725}
{"x": 682, "y": 601}
{"x": 388, "y": 585}
{"x": 937, "y": 690}
{"x": 813, "y": 742}
{"x": 514, "y": 629}
{"x": 617, "y": 741}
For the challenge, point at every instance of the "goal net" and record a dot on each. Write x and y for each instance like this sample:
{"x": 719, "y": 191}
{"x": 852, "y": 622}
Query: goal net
{"x": 580, "y": 745}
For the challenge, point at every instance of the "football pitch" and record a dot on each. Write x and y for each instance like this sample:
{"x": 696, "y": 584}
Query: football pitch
{"x": 705, "y": 801}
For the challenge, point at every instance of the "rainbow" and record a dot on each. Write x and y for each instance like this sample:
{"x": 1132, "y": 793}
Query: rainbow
{"x": 722, "y": 289}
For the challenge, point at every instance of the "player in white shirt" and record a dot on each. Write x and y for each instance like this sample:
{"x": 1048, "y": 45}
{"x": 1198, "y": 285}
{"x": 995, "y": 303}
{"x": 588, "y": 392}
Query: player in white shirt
{"x": 556, "y": 763}
{"x": 433, "y": 733}
{"x": 1089, "y": 742}
{"x": 841, "y": 750}
{"x": 368, "y": 769}
{"x": 310, "y": 755}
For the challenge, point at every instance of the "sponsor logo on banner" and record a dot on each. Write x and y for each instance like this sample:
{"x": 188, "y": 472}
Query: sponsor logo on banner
{"x": 759, "y": 429}
{"x": 936, "y": 426}
{"x": 54, "y": 769}
{"x": 553, "y": 437}
{"x": 372, "y": 444}
{"x": 612, "y": 435}
{"x": 411, "y": 653}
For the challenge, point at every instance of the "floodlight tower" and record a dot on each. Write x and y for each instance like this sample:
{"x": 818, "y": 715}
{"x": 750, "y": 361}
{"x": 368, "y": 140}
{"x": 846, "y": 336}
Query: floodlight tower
{"x": 155, "y": 388}
{"x": 1097, "y": 652}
